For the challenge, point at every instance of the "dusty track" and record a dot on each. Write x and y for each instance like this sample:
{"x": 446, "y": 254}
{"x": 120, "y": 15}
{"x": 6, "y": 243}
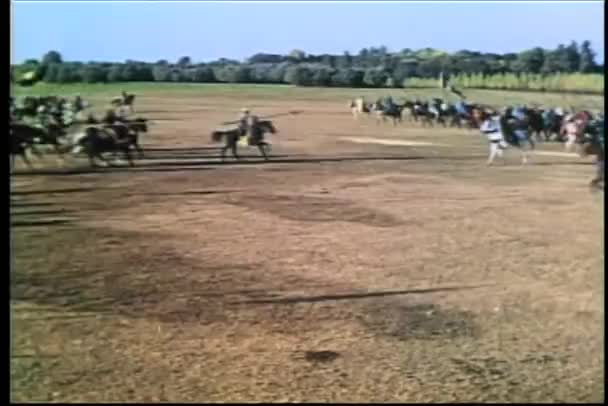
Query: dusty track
{"x": 340, "y": 271}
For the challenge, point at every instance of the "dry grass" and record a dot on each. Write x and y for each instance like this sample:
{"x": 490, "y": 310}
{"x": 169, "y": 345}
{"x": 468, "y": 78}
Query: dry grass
{"x": 185, "y": 280}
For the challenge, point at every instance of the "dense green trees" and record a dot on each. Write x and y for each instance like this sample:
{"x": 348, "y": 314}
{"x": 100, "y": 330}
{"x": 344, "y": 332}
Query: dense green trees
{"x": 535, "y": 68}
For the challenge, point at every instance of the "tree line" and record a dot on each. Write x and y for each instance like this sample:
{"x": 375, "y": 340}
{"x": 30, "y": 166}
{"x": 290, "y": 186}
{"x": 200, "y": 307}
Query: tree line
{"x": 533, "y": 69}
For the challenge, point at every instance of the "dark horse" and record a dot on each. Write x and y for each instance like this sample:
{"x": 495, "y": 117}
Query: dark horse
{"x": 593, "y": 144}
{"x": 129, "y": 131}
{"x": 95, "y": 141}
{"x": 23, "y": 136}
{"x": 256, "y": 138}
{"x": 535, "y": 122}
{"x": 392, "y": 111}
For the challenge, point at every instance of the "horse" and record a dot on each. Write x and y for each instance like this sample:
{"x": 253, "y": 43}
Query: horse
{"x": 535, "y": 122}
{"x": 124, "y": 100}
{"x": 256, "y": 138}
{"x": 438, "y": 112}
{"x": 135, "y": 127}
{"x": 94, "y": 141}
{"x": 552, "y": 123}
{"x": 463, "y": 115}
{"x": 409, "y": 107}
{"x": 23, "y": 136}
{"x": 18, "y": 146}
{"x": 393, "y": 112}
{"x": 516, "y": 133}
{"x": 358, "y": 107}
{"x": 592, "y": 144}
{"x": 129, "y": 131}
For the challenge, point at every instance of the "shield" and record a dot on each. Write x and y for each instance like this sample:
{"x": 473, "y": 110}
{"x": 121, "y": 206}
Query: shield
{"x": 243, "y": 141}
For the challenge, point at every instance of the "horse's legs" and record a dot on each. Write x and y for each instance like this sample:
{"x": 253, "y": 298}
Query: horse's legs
{"x": 60, "y": 157}
{"x": 140, "y": 151}
{"x": 91, "y": 157}
{"x": 262, "y": 148}
{"x": 380, "y": 118}
{"x": 127, "y": 153}
{"x": 599, "y": 176}
{"x": 27, "y": 161}
{"x": 233, "y": 147}
{"x": 135, "y": 143}
{"x": 35, "y": 151}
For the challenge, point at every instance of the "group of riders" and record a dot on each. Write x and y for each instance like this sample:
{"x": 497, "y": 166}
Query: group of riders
{"x": 48, "y": 120}
{"x": 515, "y": 126}
{"x": 511, "y": 126}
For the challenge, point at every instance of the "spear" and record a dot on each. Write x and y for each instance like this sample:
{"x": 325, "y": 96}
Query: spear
{"x": 289, "y": 113}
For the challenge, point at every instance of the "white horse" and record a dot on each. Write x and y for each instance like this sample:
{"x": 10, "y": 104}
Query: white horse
{"x": 358, "y": 107}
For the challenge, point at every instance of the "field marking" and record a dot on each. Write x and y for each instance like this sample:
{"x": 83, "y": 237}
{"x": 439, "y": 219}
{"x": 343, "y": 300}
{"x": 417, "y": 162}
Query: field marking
{"x": 384, "y": 141}
{"x": 556, "y": 153}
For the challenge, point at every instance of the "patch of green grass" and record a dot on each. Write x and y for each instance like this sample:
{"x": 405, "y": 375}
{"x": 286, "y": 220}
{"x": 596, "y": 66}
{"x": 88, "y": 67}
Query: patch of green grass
{"x": 280, "y": 92}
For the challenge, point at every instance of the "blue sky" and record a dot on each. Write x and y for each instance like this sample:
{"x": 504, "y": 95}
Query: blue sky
{"x": 205, "y": 31}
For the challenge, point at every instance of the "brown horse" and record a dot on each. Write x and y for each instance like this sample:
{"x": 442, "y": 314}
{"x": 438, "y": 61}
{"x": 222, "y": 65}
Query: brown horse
{"x": 381, "y": 114}
{"x": 256, "y": 138}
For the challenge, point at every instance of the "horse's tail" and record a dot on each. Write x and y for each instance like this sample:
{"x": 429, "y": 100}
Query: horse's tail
{"x": 217, "y": 136}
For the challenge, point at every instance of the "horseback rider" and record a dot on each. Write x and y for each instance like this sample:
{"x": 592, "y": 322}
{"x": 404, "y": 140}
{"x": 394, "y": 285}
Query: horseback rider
{"x": 388, "y": 105}
{"x": 435, "y": 107}
{"x": 594, "y": 144}
{"x": 244, "y": 120}
{"x": 254, "y": 132}
{"x": 117, "y": 124}
{"x": 78, "y": 104}
{"x": 519, "y": 113}
{"x": 507, "y": 125}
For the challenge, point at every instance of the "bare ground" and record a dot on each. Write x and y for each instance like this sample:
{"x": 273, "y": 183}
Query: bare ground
{"x": 343, "y": 270}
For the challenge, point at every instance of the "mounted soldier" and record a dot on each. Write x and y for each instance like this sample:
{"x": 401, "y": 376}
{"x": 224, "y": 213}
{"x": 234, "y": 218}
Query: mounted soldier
{"x": 243, "y": 120}
{"x": 388, "y": 105}
{"x": 254, "y": 133}
{"x": 593, "y": 144}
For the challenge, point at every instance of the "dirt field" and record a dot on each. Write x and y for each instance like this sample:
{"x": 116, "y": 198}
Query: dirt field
{"x": 362, "y": 264}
